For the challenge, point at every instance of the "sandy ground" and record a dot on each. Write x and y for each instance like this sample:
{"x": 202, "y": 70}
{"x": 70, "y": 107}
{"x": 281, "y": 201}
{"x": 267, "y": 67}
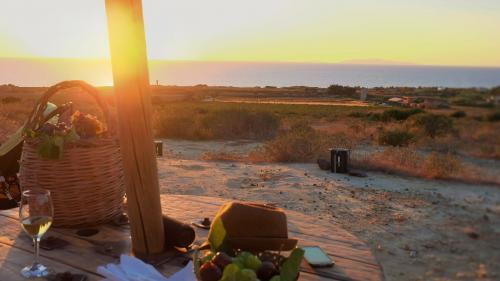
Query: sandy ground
{"x": 417, "y": 229}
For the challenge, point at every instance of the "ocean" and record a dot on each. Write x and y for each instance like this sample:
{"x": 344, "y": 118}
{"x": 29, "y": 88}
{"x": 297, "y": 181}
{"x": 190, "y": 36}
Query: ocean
{"x": 45, "y": 72}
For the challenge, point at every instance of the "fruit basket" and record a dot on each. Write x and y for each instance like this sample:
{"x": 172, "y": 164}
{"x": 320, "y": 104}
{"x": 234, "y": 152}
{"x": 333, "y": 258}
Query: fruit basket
{"x": 245, "y": 266}
{"x": 77, "y": 158}
{"x": 246, "y": 242}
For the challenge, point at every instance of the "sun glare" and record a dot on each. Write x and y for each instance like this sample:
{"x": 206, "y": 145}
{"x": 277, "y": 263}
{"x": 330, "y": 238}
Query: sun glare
{"x": 449, "y": 33}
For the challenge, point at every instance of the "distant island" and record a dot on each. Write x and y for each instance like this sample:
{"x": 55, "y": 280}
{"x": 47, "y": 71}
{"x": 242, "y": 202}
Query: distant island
{"x": 375, "y": 62}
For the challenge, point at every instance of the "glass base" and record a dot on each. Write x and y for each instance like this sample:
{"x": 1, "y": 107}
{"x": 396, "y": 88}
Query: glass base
{"x": 35, "y": 270}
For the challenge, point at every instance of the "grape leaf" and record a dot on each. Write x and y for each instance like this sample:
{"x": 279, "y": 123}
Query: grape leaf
{"x": 50, "y": 147}
{"x": 217, "y": 235}
{"x": 58, "y": 142}
{"x": 290, "y": 268}
{"x": 72, "y": 136}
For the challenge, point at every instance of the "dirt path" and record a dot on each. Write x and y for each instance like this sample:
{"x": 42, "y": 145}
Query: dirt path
{"x": 418, "y": 229}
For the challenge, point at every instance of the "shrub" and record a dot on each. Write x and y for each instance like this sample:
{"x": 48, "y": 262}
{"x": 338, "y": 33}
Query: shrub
{"x": 369, "y": 116}
{"x": 399, "y": 115}
{"x": 458, "y": 114}
{"x": 180, "y": 127}
{"x": 433, "y": 125}
{"x": 240, "y": 123}
{"x": 395, "y": 137}
{"x": 10, "y": 99}
{"x": 470, "y": 98}
{"x": 493, "y": 117}
{"x": 338, "y": 90}
{"x": 200, "y": 124}
{"x": 301, "y": 144}
{"x": 374, "y": 117}
{"x": 358, "y": 114}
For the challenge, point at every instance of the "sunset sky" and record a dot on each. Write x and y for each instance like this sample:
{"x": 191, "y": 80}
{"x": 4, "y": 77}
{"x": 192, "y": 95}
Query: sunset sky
{"x": 430, "y": 32}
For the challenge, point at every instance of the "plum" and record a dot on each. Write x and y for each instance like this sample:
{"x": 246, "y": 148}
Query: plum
{"x": 210, "y": 272}
{"x": 222, "y": 260}
{"x": 266, "y": 271}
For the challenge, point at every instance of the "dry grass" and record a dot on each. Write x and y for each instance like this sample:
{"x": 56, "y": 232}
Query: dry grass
{"x": 13, "y": 115}
{"x": 302, "y": 144}
{"x": 224, "y": 156}
{"x": 408, "y": 161}
{"x": 215, "y": 123}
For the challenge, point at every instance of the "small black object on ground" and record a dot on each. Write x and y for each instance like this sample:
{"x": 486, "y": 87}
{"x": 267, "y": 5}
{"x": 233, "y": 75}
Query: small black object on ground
{"x": 159, "y": 148}
{"x": 180, "y": 235}
{"x": 324, "y": 164}
{"x": 357, "y": 174}
{"x": 339, "y": 160}
{"x": 87, "y": 232}
{"x": 205, "y": 223}
{"x": 66, "y": 276}
{"x": 53, "y": 243}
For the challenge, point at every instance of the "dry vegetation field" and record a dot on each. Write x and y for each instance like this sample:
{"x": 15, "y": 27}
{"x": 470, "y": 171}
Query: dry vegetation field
{"x": 431, "y": 144}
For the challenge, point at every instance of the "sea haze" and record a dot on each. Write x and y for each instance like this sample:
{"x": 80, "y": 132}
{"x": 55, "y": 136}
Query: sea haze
{"x": 44, "y": 72}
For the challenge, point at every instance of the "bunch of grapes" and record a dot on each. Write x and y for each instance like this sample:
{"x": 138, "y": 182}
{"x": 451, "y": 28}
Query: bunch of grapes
{"x": 50, "y": 129}
{"x": 243, "y": 267}
{"x": 86, "y": 126}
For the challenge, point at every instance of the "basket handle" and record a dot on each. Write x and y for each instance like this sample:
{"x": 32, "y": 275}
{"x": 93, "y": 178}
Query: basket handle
{"x": 37, "y": 119}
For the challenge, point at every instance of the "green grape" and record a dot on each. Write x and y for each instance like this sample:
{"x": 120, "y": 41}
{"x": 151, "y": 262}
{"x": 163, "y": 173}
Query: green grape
{"x": 239, "y": 263}
{"x": 247, "y": 275}
{"x": 275, "y": 278}
{"x": 230, "y": 273}
{"x": 252, "y": 262}
{"x": 244, "y": 255}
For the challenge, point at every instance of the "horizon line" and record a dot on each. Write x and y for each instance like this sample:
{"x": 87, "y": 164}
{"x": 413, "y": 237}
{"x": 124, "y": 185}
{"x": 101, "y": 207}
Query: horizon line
{"x": 343, "y": 62}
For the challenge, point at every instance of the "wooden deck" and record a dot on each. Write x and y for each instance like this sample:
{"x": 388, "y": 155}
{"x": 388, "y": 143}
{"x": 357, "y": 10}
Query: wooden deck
{"x": 354, "y": 260}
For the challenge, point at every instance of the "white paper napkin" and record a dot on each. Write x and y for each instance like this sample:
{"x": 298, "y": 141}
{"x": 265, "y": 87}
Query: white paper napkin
{"x": 133, "y": 269}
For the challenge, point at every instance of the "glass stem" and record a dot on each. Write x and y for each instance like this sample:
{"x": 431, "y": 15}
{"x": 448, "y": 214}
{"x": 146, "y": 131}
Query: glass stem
{"x": 36, "y": 241}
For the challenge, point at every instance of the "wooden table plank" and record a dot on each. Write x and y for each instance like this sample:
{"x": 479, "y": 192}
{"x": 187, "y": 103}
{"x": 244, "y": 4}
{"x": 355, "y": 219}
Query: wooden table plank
{"x": 13, "y": 259}
{"x": 354, "y": 260}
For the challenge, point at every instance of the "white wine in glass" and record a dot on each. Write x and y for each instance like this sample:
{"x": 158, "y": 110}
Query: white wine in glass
{"x": 35, "y": 213}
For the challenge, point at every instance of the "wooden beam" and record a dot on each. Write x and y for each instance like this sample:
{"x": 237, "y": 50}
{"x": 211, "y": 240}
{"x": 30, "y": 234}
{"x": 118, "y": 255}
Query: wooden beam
{"x": 131, "y": 85}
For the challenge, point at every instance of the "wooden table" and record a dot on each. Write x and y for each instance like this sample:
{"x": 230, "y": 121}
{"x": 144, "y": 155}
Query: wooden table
{"x": 354, "y": 260}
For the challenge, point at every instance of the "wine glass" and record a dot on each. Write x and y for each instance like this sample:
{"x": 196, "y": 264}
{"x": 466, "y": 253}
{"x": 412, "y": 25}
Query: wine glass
{"x": 35, "y": 213}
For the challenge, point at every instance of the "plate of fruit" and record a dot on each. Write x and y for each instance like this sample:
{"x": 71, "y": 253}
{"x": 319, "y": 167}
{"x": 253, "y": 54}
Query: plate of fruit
{"x": 246, "y": 266}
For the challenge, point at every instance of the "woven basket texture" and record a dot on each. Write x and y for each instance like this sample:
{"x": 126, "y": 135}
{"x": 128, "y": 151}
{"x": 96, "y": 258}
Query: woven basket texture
{"x": 87, "y": 183}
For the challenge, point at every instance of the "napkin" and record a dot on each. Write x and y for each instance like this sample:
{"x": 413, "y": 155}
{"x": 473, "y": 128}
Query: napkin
{"x": 133, "y": 269}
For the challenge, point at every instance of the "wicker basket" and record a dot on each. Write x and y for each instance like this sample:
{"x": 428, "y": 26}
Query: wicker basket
{"x": 86, "y": 184}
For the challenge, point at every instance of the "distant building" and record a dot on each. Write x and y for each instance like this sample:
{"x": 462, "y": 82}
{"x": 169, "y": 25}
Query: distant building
{"x": 494, "y": 99}
{"x": 363, "y": 94}
{"x": 395, "y": 101}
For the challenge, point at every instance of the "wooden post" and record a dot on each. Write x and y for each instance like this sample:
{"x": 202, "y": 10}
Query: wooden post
{"x": 131, "y": 85}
